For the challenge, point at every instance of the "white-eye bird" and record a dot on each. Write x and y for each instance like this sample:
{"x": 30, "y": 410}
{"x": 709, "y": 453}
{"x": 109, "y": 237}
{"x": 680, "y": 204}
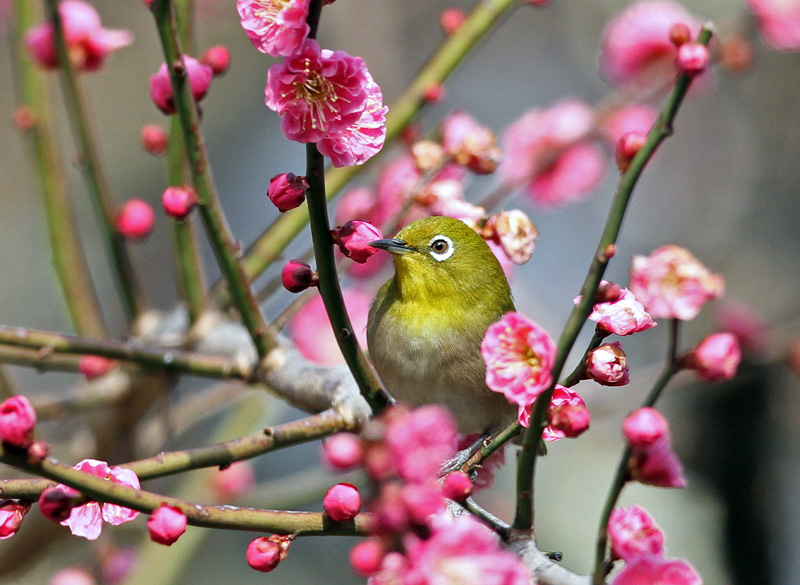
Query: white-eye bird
{"x": 427, "y": 322}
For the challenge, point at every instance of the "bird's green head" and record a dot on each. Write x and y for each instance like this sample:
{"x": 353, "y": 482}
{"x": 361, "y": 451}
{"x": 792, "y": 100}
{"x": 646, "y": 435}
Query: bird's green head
{"x": 437, "y": 257}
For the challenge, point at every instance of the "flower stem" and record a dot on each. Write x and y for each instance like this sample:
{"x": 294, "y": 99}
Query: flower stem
{"x": 662, "y": 128}
{"x": 219, "y": 234}
{"x": 89, "y": 158}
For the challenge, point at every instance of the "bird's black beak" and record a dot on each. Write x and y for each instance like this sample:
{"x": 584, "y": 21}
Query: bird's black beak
{"x": 392, "y": 245}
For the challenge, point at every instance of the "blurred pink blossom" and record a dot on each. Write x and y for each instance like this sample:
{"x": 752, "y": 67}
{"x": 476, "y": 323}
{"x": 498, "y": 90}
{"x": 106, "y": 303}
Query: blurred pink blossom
{"x": 420, "y": 441}
{"x": 366, "y": 556}
{"x": 745, "y": 323}
{"x": 717, "y": 357}
{"x": 135, "y": 219}
{"x": 17, "y": 419}
{"x": 94, "y": 366}
{"x": 199, "y": 76}
{"x": 671, "y": 283}
{"x": 457, "y": 486}
{"x": 422, "y": 500}
{"x": 12, "y": 513}
{"x": 779, "y": 22}
{"x": 154, "y": 139}
{"x": 574, "y": 174}
{"x": 633, "y": 533}
{"x": 470, "y": 144}
{"x": 644, "y": 427}
{"x": 317, "y": 91}
{"x": 218, "y": 58}
{"x": 166, "y": 525}
{"x": 342, "y": 451}
{"x": 88, "y": 43}
{"x": 515, "y": 232}
{"x": 275, "y": 27}
{"x": 233, "y": 482}
{"x": 657, "y": 465}
{"x": 633, "y": 118}
{"x": 519, "y": 357}
{"x": 72, "y": 576}
{"x": 650, "y": 569}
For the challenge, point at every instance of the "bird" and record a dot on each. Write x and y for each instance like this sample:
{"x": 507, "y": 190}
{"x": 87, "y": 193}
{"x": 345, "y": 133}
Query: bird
{"x": 427, "y": 322}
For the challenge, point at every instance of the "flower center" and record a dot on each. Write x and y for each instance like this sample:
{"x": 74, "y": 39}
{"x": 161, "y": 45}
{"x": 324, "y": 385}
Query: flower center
{"x": 269, "y": 9}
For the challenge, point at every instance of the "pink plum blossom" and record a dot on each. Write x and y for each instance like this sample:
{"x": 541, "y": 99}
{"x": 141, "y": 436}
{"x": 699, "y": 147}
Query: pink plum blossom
{"x": 87, "y": 520}
{"x": 515, "y": 232}
{"x": 651, "y": 569}
{"x": 166, "y": 525}
{"x": 621, "y": 316}
{"x": 461, "y": 550}
{"x": 297, "y": 276}
{"x": 778, "y": 22}
{"x": 451, "y": 20}
{"x": 312, "y": 334}
{"x": 570, "y": 419}
{"x": 632, "y": 118}
{"x": 644, "y": 427}
{"x": 422, "y": 500}
{"x": 519, "y": 358}
{"x": 364, "y": 138}
{"x": 12, "y": 513}
{"x": 562, "y": 396}
{"x": 287, "y": 191}
{"x": 692, "y": 58}
{"x": 457, "y": 486}
{"x": 421, "y": 441}
{"x": 657, "y": 465}
{"x": 745, "y": 323}
{"x": 470, "y": 144}
{"x": 317, "y": 91}
{"x": 366, "y": 556}
{"x": 470, "y": 214}
{"x": 672, "y": 283}
{"x": 627, "y": 148}
{"x": 608, "y": 365}
{"x": 717, "y": 357}
{"x": 574, "y": 174}
{"x": 275, "y": 27}
{"x": 265, "y": 552}
{"x": 354, "y": 238}
{"x": 633, "y": 533}
{"x": 218, "y": 58}
{"x": 135, "y": 219}
{"x": 88, "y": 43}
{"x": 234, "y": 482}
{"x": 342, "y": 502}
{"x": 154, "y": 139}
{"x": 199, "y": 77}
{"x": 342, "y": 451}
{"x": 178, "y": 202}
{"x": 636, "y": 46}
{"x": 17, "y": 419}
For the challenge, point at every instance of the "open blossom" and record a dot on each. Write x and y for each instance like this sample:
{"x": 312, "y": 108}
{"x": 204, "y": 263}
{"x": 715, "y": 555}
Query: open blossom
{"x": 470, "y": 144}
{"x": 17, "y": 419}
{"x": 621, "y": 316}
{"x": 364, "y": 138}
{"x": 608, "y": 365}
{"x": 420, "y": 441}
{"x": 88, "y": 43}
{"x": 672, "y": 283}
{"x": 778, "y": 22}
{"x": 87, "y": 520}
{"x": 651, "y": 569}
{"x": 199, "y": 77}
{"x": 717, "y": 357}
{"x": 275, "y": 27}
{"x": 12, "y": 513}
{"x": 515, "y": 232}
{"x": 317, "y": 91}
{"x": 633, "y": 533}
{"x": 636, "y": 46}
{"x": 519, "y": 358}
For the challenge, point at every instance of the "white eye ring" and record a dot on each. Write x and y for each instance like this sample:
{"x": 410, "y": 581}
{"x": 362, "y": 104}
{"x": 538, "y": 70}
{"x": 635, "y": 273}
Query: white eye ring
{"x": 441, "y": 254}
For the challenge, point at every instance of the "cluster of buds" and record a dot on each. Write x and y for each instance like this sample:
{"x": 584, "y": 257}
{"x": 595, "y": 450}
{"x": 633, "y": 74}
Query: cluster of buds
{"x": 652, "y": 462}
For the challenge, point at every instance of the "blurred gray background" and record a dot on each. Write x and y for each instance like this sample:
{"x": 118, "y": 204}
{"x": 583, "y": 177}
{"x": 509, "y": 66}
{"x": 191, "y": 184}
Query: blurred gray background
{"x": 725, "y": 186}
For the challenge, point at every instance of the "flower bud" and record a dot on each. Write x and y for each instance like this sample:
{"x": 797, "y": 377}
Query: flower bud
{"x": 218, "y": 58}
{"x": 633, "y": 533}
{"x": 24, "y": 118}
{"x": 12, "y": 513}
{"x": 199, "y": 77}
{"x": 17, "y": 419}
{"x": 679, "y": 34}
{"x": 154, "y": 139}
{"x": 451, "y": 20}
{"x": 94, "y": 366}
{"x": 354, "y": 238}
{"x": 515, "y": 232}
{"x": 56, "y": 503}
{"x": 433, "y": 93}
{"x": 366, "y": 556}
{"x": 643, "y": 427}
{"x": 470, "y": 144}
{"x": 287, "y": 191}
{"x": 37, "y": 451}
{"x": 658, "y": 465}
{"x": 135, "y": 219}
{"x": 608, "y": 365}
{"x": 457, "y": 486}
{"x": 297, "y": 276}
{"x": 570, "y": 419}
{"x": 737, "y": 54}
{"x": 166, "y": 524}
{"x": 233, "y": 482}
{"x": 342, "y": 451}
{"x": 116, "y": 564}
{"x": 342, "y": 502}
{"x": 692, "y": 58}
{"x": 265, "y": 552}
{"x": 178, "y": 202}
{"x": 627, "y": 147}
{"x": 716, "y": 358}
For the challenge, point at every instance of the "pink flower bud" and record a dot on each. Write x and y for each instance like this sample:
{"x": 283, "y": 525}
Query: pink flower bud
{"x": 451, "y": 20}
{"x": 515, "y": 232}
{"x": 716, "y": 358}
{"x": 422, "y": 500}
{"x": 737, "y": 54}
{"x": 178, "y": 202}
{"x": 457, "y": 486}
{"x": 287, "y": 191}
{"x": 17, "y": 419}
{"x": 37, "y": 451}
{"x": 366, "y": 556}
{"x": 218, "y": 58}
{"x": 11, "y": 514}
{"x": 342, "y": 451}
{"x": 679, "y": 34}
{"x": 135, "y": 219}
{"x": 433, "y": 93}
{"x": 166, "y": 524}
{"x": 233, "y": 482}
{"x": 643, "y": 427}
{"x": 265, "y": 552}
{"x": 56, "y": 503}
{"x": 570, "y": 419}
{"x": 633, "y": 533}
{"x": 199, "y": 76}
{"x": 342, "y": 502}
{"x": 608, "y": 365}
{"x": 692, "y": 58}
{"x": 658, "y": 465}
{"x": 94, "y": 366}
{"x": 354, "y": 239}
{"x": 24, "y": 118}
{"x": 154, "y": 139}
{"x": 297, "y": 276}
{"x": 627, "y": 147}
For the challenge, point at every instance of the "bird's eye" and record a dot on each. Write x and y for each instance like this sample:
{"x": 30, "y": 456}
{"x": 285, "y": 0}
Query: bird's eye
{"x": 441, "y": 248}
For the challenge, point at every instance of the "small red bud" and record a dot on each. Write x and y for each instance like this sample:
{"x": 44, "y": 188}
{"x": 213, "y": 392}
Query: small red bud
{"x": 342, "y": 451}
{"x": 679, "y": 34}
{"x": 154, "y": 139}
{"x": 218, "y": 58}
{"x": 342, "y": 502}
{"x": 643, "y": 427}
{"x": 24, "y": 118}
{"x": 287, "y": 191}
{"x": 433, "y": 93}
{"x": 94, "y": 366}
{"x": 366, "y": 557}
{"x": 265, "y": 552}
{"x": 178, "y": 202}
{"x": 37, "y": 451}
{"x": 56, "y": 502}
{"x": 135, "y": 219}
{"x": 354, "y": 239}
{"x": 451, "y": 20}
{"x": 627, "y": 147}
{"x": 692, "y": 58}
{"x": 571, "y": 419}
{"x": 297, "y": 276}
